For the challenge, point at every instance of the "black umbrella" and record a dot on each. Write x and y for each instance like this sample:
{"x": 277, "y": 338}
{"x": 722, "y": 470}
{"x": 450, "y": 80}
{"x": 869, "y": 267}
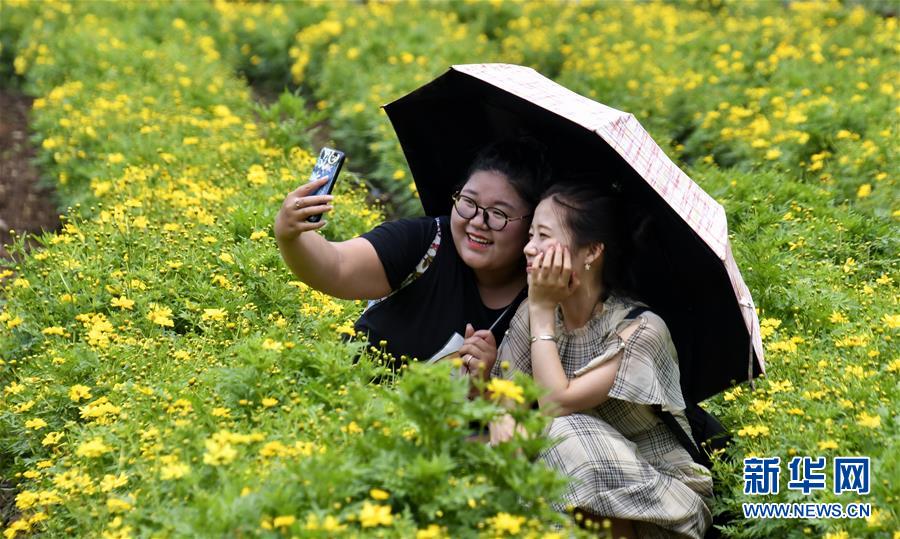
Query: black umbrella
{"x": 695, "y": 284}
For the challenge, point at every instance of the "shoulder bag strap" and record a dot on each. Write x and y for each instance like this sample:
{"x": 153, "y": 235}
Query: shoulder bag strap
{"x": 683, "y": 438}
{"x": 421, "y": 267}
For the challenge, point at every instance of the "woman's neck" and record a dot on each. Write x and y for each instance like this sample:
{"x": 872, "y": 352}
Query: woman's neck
{"x": 578, "y": 308}
{"x": 499, "y": 288}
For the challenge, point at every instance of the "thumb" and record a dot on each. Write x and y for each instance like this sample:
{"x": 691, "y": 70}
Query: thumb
{"x": 469, "y": 331}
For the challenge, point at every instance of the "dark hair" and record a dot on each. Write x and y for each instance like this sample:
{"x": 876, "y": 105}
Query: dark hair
{"x": 522, "y": 160}
{"x": 594, "y": 214}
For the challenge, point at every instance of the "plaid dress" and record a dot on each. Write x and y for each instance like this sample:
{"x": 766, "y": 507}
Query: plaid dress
{"x": 624, "y": 460}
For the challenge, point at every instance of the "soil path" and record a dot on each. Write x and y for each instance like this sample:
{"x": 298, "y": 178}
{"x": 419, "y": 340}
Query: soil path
{"x": 25, "y": 206}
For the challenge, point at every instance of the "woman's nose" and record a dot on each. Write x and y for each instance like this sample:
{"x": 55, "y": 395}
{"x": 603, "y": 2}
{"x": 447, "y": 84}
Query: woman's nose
{"x": 480, "y": 218}
{"x": 530, "y": 249}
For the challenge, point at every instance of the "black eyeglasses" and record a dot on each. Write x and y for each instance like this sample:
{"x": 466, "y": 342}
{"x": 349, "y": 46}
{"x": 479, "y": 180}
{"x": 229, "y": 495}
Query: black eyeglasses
{"x": 494, "y": 218}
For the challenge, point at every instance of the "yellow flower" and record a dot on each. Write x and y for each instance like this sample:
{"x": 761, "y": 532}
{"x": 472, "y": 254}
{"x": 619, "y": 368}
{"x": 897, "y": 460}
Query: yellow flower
{"x": 284, "y": 521}
{"x": 257, "y": 175}
{"x": 754, "y": 430}
{"x": 214, "y": 314}
{"x": 270, "y": 344}
{"x": 331, "y": 524}
{"x": 35, "y": 424}
{"x": 501, "y": 389}
{"x": 218, "y": 450}
{"x": 175, "y": 470}
{"x": 870, "y": 421}
{"x": 375, "y": 515}
{"x": 378, "y": 494}
{"x": 760, "y": 406}
{"x": 161, "y": 316}
{"x": 773, "y": 154}
{"x": 505, "y": 523}
{"x": 52, "y": 438}
{"x": 768, "y": 326}
{"x": 827, "y": 444}
{"x": 433, "y": 531}
{"x": 892, "y": 321}
{"x": 122, "y": 302}
{"x": 93, "y": 448}
{"x": 112, "y": 482}
{"x": 269, "y": 402}
{"x": 837, "y": 318}
{"x": 101, "y": 411}
{"x": 346, "y": 329}
{"x": 79, "y": 392}
{"x": 53, "y": 330}
{"x": 864, "y": 190}
{"x": 117, "y": 505}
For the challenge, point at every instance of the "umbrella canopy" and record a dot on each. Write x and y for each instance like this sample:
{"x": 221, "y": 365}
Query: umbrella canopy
{"x": 695, "y": 286}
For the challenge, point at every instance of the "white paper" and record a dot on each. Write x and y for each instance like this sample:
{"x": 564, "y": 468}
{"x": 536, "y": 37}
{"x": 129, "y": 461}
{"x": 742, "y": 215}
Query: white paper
{"x": 452, "y": 347}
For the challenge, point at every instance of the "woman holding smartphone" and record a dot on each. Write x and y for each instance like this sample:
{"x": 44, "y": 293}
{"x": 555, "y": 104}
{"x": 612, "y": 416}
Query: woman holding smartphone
{"x": 471, "y": 271}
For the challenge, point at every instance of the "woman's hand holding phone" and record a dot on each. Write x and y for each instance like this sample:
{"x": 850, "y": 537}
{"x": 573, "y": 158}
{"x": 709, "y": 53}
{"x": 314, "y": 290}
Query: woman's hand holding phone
{"x": 298, "y": 206}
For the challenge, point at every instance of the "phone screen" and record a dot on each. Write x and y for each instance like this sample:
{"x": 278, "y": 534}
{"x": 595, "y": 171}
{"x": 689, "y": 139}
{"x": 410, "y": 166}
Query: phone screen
{"x": 328, "y": 164}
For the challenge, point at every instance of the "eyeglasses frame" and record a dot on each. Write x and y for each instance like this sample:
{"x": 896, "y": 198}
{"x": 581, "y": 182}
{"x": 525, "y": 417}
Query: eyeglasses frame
{"x": 485, "y": 216}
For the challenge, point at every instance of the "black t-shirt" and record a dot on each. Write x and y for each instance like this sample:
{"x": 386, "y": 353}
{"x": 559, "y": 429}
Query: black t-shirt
{"x": 419, "y": 319}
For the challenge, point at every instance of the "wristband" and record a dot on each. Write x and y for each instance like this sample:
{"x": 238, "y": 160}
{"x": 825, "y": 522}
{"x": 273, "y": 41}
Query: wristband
{"x": 543, "y": 338}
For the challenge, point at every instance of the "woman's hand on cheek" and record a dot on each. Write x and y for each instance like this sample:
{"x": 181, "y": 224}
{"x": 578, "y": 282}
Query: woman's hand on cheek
{"x": 551, "y": 279}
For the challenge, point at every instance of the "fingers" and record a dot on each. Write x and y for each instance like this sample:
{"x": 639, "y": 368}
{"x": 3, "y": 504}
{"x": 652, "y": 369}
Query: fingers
{"x": 486, "y": 335}
{"x": 303, "y": 208}
{"x": 557, "y": 264}
{"x": 311, "y": 187}
{"x": 565, "y": 272}
{"x": 478, "y": 354}
{"x": 554, "y": 266}
{"x": 470, "y": 330}
{"x": 477, "y": 347}
{"x": 469, "y": 362}
{"x": 299, "y": 203}
{"x": 542, "y": 265}
{"x": 303, "y": 204}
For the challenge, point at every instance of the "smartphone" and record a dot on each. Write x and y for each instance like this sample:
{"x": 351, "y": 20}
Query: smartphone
{"x": 328, "y": 164}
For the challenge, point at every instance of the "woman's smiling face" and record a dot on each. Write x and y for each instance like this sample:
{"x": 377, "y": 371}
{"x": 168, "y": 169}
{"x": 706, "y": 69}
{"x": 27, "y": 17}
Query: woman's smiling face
{"x": 547, "y": 230}
{"x": 480, "y": 247}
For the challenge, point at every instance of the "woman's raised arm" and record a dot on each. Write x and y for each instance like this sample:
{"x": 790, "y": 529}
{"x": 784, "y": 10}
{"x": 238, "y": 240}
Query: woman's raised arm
{"x": 583, "y": 393}
{"x": 348, "y": 269}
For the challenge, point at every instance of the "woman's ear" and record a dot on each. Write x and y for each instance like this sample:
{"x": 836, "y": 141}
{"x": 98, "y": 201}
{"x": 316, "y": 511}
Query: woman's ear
{"x": 594, "y": 253}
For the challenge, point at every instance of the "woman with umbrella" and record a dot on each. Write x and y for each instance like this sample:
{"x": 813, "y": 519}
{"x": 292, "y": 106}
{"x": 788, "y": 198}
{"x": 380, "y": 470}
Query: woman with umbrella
{"x": 606, "y": 361}
{"x": 457, "y": 274}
